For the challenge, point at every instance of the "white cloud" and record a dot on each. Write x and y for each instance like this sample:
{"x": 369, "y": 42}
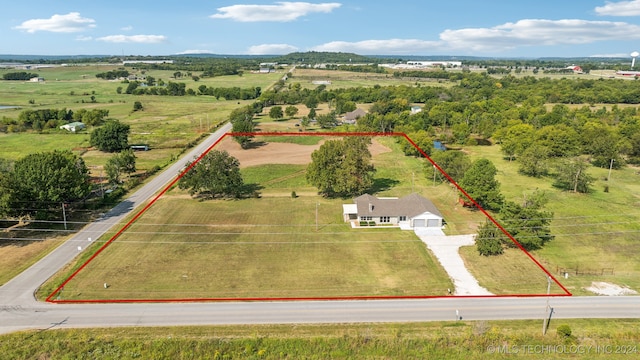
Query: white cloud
{"x": 381, "y": 47}
{"x": 139, "y": 39}
{"x": 187, "y": 52}
{"x": 622, "y": 8}
{"x": 127, "y": 28}
{"x": 84, "y": 38}
{"x": 536, "y": 32}
{"x": 71, "y": 22}
{"x": 271, "y": 49}
{"x": 281, "y": 12}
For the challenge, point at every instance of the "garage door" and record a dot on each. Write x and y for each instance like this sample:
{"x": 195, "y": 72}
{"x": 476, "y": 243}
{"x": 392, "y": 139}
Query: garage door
{"x": 419, "y": 223}
{"x": 433, "y": 223}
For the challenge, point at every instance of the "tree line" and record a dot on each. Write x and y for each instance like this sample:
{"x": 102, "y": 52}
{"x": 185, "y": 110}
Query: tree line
{"x": 20, "y": 75}
{"x": 42, "y": 119}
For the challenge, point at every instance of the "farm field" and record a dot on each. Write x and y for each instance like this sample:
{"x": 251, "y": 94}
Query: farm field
{"x": 269, "y": 247}
{"x": 167, "y": 124}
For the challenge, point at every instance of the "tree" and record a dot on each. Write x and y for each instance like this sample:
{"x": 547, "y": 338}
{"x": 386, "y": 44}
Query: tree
{"x": 304, "y": 122}
{"x": 125, "y": 161}
{"x": 489, "y": 239}
{"x": 242, "y": 122}
{"x": 571, "y": 174}
{"x": 137, "y": 106}
{"x": 40, "y": 182}
{"x": 276, "y": 112}
{"x": 453, "y": 163}
{"x": 341, "y": 167}
{"x": 327, "y": 121}
{"x": 527, "y": 223}
{"x": 480, "y": 183}
{"x": 113, "y": 136}
{"x": 291, "y": 111}
{"x": 516, "y": 139}
{"x": 217, "y": 174}
{"x": 534, "y": 161}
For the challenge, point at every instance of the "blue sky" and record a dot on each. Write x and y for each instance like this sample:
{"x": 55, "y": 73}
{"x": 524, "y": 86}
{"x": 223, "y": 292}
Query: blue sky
{"x": 495, "y": 28}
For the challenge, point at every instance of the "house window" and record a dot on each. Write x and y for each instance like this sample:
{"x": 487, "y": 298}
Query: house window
{"x": 366, "y": 218}
{"x": 403, "y": 218}
{"x": 385, "y": 219}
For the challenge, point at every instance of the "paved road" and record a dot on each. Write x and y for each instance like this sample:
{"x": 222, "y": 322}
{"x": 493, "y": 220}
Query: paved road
{"x": 19, "y": 310}
{"x": 45, "y": 316}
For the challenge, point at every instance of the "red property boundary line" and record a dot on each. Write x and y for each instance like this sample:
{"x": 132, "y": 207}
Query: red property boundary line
{"x": 57, "y": 291}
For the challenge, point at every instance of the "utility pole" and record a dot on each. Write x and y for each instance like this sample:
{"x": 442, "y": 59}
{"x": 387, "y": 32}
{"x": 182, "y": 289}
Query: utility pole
{"x": 545, "y": 323}
{"x": 434, "y": 175}
{"x": 64, "y": 216}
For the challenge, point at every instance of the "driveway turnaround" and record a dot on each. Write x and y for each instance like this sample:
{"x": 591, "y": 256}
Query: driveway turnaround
{"x": 445, "y": 248}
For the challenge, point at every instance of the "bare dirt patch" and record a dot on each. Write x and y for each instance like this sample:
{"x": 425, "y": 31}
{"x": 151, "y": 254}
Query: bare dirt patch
{"x": 608, "y": 289}
{"x": 280, "y": 153}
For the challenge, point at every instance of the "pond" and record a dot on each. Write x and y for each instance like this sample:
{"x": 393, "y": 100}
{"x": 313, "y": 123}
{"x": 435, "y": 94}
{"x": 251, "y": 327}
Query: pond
{"x": 2, "y": 107}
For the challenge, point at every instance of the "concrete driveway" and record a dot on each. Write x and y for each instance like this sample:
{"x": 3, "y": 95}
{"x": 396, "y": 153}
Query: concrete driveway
{"x": 445, "y": 248}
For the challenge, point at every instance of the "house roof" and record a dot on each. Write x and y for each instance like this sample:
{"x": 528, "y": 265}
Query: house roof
{"x": 410, "y": 206}
{"x": 355, "y": 114}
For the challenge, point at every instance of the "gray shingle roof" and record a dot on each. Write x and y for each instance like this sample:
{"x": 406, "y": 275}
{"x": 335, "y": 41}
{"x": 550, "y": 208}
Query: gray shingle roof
{"x": 410, "y": 206}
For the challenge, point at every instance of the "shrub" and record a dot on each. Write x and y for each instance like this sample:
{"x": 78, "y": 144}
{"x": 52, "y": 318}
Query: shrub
{"x": 564, "y": 331}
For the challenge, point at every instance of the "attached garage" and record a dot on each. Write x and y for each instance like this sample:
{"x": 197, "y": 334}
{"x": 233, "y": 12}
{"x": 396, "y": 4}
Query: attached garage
{"x": 433, "y": 222}
{"x": 419, "y": 223}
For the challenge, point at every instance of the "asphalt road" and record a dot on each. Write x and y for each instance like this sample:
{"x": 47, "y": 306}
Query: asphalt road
{"x": 19, "y": 310}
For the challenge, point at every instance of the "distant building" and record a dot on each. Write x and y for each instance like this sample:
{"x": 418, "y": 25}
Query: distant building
{"x": 415, "y": 109}
{"x": 73, "y": 127}
{"x": 37, "y": 79}
{"x": 125, "y": 62}
{"x": 353, "y": 116}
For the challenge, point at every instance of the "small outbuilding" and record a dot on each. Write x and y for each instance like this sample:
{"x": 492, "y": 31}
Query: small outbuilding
{"x": 73, "y": 127}
{"x": 409, "y": 212}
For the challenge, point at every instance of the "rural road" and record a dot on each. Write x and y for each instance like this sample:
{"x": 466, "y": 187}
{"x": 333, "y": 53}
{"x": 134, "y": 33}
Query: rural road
{"x": 19, "y": 310}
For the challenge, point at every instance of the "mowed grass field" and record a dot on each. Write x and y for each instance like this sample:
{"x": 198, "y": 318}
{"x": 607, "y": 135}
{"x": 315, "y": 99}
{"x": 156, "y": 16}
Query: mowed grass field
{"x": 184, "y": 248}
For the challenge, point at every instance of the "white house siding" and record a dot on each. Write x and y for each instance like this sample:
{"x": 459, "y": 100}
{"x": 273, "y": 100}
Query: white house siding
{"x": 426, "y": 219}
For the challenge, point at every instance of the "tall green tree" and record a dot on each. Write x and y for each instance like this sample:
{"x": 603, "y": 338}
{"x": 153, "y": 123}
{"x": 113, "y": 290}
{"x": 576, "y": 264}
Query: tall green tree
{"x": 341, "y": 167}
{"x": 327, "y": 121}
{"x": 113, "y": 136}
{"x": 528, "y": 223}
{"x": 489, "y": 239}
{"x": 217, "y": 174}
{"x": 291, "y": 111}
{"x": 123, "y": 162}
{"x": 571, "y": 174}
{"x": 40, "y": 182}
{"x": 480, "y": 183}
{"x": 453, "y": 163}
{"x": 242, "y": 122}
{"x": 276, "y": 112}
{"x": 534, "y": 161}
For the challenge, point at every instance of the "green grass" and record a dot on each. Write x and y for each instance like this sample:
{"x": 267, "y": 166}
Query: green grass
{"x": 256, "y": 248}
{"x": 276, "y": 178}
{"x": 437, "y": 340}
{"x": 300, "y": 140}
{"x": 593, "y": 232}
